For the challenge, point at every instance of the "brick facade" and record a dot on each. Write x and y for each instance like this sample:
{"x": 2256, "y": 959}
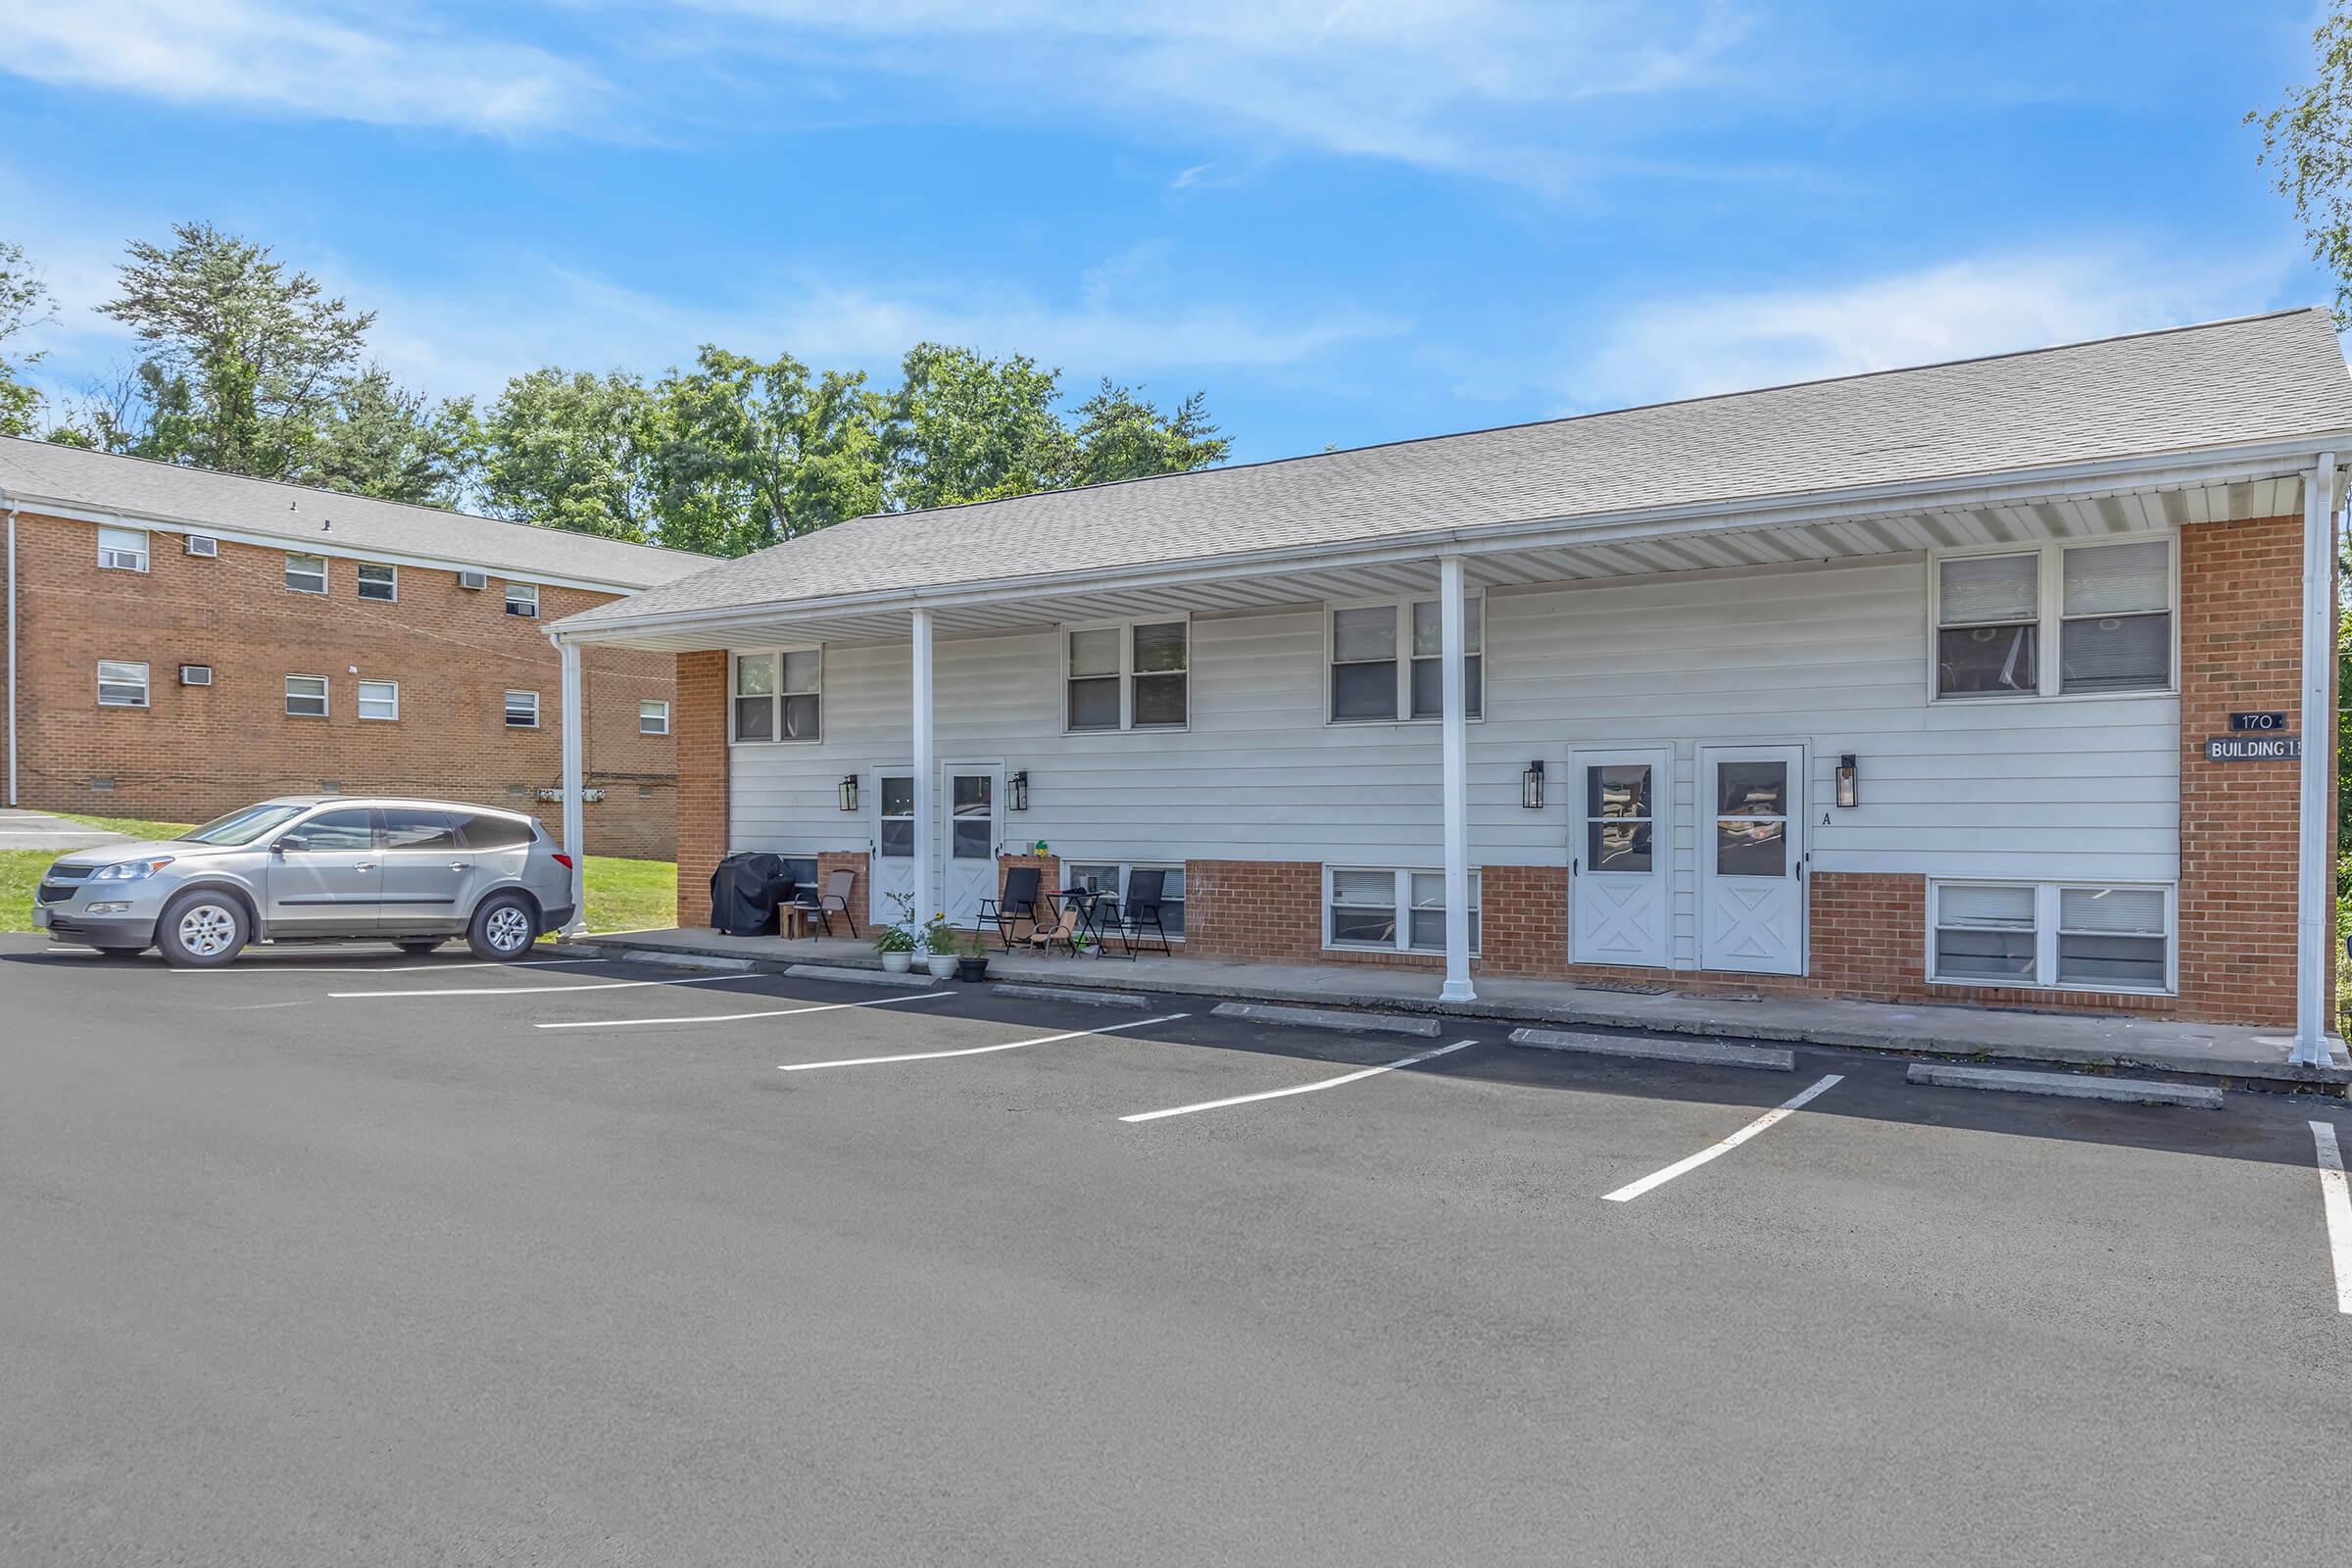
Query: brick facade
{"x": 195, "y": 751}
{"x": 701, "y": 792}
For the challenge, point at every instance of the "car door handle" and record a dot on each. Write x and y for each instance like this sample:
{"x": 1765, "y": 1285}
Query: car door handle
{"x": 365, "y": 865}
{"x": 460, "y": 865}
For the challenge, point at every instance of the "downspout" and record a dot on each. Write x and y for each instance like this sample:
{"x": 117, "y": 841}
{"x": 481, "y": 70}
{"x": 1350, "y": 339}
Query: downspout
{"x": 11, "y": 651}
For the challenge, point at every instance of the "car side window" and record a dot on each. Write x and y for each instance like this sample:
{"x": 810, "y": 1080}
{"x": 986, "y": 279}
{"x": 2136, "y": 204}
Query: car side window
{"x": 406, "y": 828}
{"x": 351, "y": 830}
{"x": 488, "y": 832}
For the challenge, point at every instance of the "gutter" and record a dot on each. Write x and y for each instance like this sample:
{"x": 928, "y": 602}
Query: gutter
{"x": 2075, "y": 480}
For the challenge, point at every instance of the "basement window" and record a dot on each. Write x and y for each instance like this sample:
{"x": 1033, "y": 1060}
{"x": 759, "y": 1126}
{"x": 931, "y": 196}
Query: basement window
{"x": 1392, "y": 907}
{"x": 2052, "y": 936}
{"x": 1104, "y": 877}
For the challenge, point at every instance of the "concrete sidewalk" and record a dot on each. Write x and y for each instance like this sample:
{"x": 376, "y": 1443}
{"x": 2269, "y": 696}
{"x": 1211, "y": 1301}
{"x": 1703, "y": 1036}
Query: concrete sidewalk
{"x": 2216, "y": 1052}
{"x": 38, "y": 830}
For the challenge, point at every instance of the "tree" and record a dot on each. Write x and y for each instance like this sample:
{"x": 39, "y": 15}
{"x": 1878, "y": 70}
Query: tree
{"x": 245, "y": 360}
{"x": 1121, "y": 436}
{"x": 746, "y": 453}
{"x": 24, "y": 304}
{"x": 568, "y": 448}
{"x": 379, "y": 440}
{"x": 967, "y": 429}
{"x": 2306, "y": 141}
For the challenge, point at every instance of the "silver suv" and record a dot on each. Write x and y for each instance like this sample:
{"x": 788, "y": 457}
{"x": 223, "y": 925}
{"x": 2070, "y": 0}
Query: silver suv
{"x": 310, "y": 867}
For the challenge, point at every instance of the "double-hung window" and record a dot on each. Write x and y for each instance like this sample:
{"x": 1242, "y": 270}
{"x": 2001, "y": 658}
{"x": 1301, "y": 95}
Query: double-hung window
{"x": 1387, "y": 660}
{"x": 2081, "y": 937}
{"x": 1104, "y": 877}
{"x": 652, "y": 717}
{"x": 121, "y": 683}
{"x": 2057, "y": 620}
{"x": 306, "y": 574}
{"x": 380, "y": 698}
{"x": 778, "y": 696}
{"x": 380, "y": 581}
{"x": 306, "y": 696}
{"x": 1389, "y": 907}
{"x": 523, "y": 709}
{"x": 1130, "y": 675}
{"x": 522, "y": 599}
{"x": 123, "y": 549}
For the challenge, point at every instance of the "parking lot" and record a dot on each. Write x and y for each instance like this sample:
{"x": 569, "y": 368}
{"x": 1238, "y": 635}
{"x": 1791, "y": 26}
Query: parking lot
{"x": 341, "y": 1256}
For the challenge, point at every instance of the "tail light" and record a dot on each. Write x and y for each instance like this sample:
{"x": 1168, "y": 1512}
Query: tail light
{"x": 563, "y": 860}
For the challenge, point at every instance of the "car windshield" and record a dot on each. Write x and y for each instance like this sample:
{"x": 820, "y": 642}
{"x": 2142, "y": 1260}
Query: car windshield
{"x": 242, "y": 827}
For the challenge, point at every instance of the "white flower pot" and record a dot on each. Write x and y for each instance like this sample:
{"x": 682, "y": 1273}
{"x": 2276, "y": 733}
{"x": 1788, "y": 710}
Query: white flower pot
{"x": 898, "y": 962}
{"x": 941, "y": 964}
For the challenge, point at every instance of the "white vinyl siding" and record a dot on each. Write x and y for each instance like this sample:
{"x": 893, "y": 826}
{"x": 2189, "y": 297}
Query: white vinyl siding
{"x": 121, "y": 683}
{"x": 778, "y": 696}
{"x": 306, "y": 696}
{"x": 652, "y": 717}
{"x": 380, "y": 698}
{"x": 522, "y": 599}
{"x": 123, "y": 549}
{"x": 523, "y": 709}
{"x": 380, "y": 581}
{"x": 306, "y": 574}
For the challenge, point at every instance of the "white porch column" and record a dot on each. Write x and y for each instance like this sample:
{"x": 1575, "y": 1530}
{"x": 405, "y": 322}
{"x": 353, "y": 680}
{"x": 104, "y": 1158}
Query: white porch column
{"x": 575, "y": 831}
{"x": 1452, "y": 680}
{"x": 2313, "y": 927}
{"x": 926, "y": 768}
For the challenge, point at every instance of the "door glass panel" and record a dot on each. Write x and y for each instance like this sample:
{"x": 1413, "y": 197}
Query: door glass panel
{"x": 354, "y": 829}
{"x": 975, "y": 839}
{"x": 1618, "y": 789}
{"x": 1751, "y": 788}
{"x": 407, "y": 828}
{"x": 1617, "y": 845}
{"x": 974, "y": 834}
{"x": 1750, "y": 847}
{"x": 972, "y": 793}
{"x": 898, "y": 817}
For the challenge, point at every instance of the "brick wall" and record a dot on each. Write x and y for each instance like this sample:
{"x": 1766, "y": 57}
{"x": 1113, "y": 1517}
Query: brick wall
{"x": 1049, "y": 878}
{"x": 196, "y": 752}
{"x": 2241, "y": 639}
{"x": 701, "y": 794}
{"x": 1269, "y": 911}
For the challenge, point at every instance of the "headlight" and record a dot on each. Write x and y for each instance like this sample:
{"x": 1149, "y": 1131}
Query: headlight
{"x": 129, "y": 870}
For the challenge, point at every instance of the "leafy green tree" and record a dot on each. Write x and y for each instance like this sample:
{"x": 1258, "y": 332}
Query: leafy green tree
{"x": 746, "y": 453}
{"x": 570, "y": 449}
{"x": 24, "y": 304}
{"x": 967, "y": 429}
{"x": 1122, "y": 436}
{"x": 2307, "y": 141}
{"x": 379, "y": 440}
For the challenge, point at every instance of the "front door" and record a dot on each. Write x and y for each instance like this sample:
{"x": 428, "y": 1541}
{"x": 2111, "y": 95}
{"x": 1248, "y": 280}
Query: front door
{"x": 894, "y": 845}
{"x": 1751, "y": 874}
{"x": 330, "y": 879}
{"x": 1618, "y": 907}
{"x": 971, "y": 822}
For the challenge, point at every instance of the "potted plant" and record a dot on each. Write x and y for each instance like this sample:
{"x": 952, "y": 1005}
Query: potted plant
{"x": 896, "y": 940}
{"x": 971, "y": 959}
{"x": 940, "y": 940}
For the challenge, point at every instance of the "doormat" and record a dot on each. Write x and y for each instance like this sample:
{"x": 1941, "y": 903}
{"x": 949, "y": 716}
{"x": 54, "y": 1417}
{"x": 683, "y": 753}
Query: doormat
{"x": 1629, "y": 987}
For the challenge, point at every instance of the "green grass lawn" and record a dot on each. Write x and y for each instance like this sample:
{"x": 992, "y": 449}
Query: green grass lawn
{"x": 622, "y": 894}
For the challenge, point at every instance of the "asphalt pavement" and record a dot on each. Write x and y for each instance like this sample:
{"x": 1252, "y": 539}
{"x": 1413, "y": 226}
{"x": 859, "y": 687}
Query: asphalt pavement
{"x": 342, "y": 1257}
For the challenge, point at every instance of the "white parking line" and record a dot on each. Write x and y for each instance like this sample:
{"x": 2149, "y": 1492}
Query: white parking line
{"x": 739, "y": 1017}
{"x": 1299, "y": 1088}
{"x": 978, "y": 1051}
{"x": 533, "y": 991}
{"x": 2337, "y": 1199}
{"x": 1716, "y": 1151}
{"x": 301, "y": 966}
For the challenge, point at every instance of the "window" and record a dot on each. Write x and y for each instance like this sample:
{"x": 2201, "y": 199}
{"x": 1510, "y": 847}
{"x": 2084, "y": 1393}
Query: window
{"x": 1391, "y": 907}
{"x": 1103, "y": 877}
{"x": 1387, "y": 660}
{"x": 380, "y": 581}
{"x": 412, "y": 827}
{"x": 306, "y": 696}
{"x": 523, "y": 709}
{"x": 123, "y": 549}
{"x": 348, "y": 830}
{"x": 2061, "y": 620}
{"x": 652, "y": 717}
{"x": 776, "y": 695}
{"x": 121, "y": 684}
{"x": 380, "y": 698}
{"x": 1132, "y": 675}
{"x": 487, "y": 831}
{"x": 2046, "y": 935}
{"x": 522, "y": 599}
{"x": 306, "y": 574}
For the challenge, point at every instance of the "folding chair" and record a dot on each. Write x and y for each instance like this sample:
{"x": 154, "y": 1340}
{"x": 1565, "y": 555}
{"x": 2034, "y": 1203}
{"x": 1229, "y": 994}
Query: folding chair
{"x": 1139, "y": 915}
{"x": 836, "y": 896}
{"x": 1064, "y": 931}
{"x": 1018, "y": 902}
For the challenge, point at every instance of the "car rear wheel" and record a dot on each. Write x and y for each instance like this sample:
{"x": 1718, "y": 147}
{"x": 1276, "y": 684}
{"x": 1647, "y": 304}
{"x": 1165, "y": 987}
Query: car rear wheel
{"x": 504, "y": 928}
{"x": 420, "y": 945}
{"x": 202, "y": 930}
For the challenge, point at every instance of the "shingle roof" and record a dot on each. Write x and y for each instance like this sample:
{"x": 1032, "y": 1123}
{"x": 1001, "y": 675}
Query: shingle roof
{"x": 162, "y": 493}
{"x": 2257, "y": 378}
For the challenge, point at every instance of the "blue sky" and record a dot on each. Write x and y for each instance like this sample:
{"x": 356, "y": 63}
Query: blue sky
{"x": 1344, "y": 222}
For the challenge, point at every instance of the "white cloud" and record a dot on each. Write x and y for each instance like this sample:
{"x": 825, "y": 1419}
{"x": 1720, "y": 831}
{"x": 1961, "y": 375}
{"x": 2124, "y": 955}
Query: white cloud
{"x": 1728, "y": 341}
{"x": 294, "y": 59}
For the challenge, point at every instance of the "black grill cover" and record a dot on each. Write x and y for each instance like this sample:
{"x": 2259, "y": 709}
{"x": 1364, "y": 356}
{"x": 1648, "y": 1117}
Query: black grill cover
{"x": 744, "y": 892}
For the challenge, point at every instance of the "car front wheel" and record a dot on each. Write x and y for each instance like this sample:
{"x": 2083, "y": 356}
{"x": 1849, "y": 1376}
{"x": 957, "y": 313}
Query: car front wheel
{"x": 202, "y": 930}
{"x": 504, "y": 928}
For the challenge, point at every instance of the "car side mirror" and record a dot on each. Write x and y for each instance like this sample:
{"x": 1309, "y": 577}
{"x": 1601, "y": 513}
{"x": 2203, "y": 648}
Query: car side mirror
{"x": 292, "y": 841}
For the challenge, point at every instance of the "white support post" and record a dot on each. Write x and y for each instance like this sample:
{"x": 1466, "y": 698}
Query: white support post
{"x": 2313, "y": 904}
{"x": 576, "y": 828}
{"x": 925, "y": 769}
{"x": 1454, "y": 683}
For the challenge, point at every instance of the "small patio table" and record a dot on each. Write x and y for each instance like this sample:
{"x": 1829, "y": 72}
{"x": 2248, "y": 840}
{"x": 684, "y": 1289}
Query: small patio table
{"x": 1087, "y": 900}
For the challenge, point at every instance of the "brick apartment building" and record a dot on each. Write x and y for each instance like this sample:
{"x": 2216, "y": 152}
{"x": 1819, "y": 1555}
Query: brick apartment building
{"x": 1975, "y": 683}
{"x": 181, "y": 643}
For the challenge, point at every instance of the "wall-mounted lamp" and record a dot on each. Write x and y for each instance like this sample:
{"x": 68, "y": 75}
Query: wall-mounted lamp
{"x": 849, "y": 792}
{"x": 1016, "y": 788}
{"x": 1531, "y": 786}
{"x": 1847, "y": 775}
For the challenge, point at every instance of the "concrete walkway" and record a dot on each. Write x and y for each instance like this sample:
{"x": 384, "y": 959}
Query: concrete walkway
{"x": 38, "y": 830}
{"x": 2213, "y": 1051}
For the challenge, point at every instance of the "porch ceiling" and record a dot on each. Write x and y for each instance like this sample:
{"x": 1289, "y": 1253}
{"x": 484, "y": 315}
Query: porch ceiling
{"x": 1728, "y": 545}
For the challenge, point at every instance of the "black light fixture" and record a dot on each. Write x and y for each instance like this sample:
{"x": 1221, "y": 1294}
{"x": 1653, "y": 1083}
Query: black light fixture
{"x": 1017, "y": 797}
{"x": 1531, "y": 786}
{"x": 1847, "y": 774}
{"x": 849, "y": 792}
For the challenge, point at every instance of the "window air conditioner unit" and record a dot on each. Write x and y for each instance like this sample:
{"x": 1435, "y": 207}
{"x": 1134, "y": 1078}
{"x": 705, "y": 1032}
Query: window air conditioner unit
{"x": 203, "y": 544}
{"x": 195, "y": 675}
{"x": 475, "y": 580}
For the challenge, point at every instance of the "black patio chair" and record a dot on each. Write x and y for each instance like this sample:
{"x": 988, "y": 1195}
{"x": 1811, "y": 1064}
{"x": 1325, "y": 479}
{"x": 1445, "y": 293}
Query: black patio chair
{"x": 1138, "y": 915}
{"x": 1019, "y": 901}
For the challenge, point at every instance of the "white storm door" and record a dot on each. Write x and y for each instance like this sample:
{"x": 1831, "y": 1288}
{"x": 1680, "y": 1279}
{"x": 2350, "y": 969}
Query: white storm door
{"x": 894, "y": 845}
{"x": 1618, "y": 908}
{"x": 971, "y": 821}
{"x": 1751, "y": 858}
